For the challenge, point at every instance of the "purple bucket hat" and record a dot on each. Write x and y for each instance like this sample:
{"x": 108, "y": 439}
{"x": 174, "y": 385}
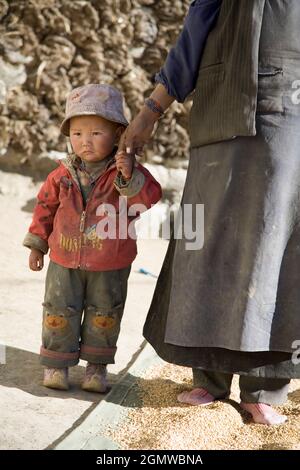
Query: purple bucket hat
{"x": 96, "y": 100}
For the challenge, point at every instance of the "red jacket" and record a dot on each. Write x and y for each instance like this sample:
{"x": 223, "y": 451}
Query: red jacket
{"x": 71, "y": 231}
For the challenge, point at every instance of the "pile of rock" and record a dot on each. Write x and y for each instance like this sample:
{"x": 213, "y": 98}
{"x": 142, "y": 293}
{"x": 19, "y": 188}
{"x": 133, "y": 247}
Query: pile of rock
{"x": 48, "y": 47}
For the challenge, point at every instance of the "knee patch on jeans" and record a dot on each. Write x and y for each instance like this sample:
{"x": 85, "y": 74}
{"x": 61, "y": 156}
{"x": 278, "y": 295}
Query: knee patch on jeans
{"x": 101, "y": 326}
{"x": 57, "y": 320}
{"x": 60, "y": 337}
{"x": 61, "y": 328}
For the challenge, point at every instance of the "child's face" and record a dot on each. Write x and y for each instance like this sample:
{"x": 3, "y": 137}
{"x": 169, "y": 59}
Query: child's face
{"x": 93, "y": 137}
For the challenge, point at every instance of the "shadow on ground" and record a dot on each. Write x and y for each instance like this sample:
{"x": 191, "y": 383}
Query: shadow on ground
{"x": 24, "y": 371}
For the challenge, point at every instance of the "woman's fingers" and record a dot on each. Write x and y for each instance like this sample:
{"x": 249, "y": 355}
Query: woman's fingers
{"x": 121, "y": 146}
{"x": 132, "y": 143}
{"x": 129, "y": 144}
{"x": 126, "y": 143}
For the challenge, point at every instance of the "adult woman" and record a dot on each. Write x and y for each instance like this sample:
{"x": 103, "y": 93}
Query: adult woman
{"x": 233, "y": 307}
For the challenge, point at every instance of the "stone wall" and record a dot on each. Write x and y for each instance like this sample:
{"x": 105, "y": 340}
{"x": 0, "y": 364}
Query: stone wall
{"x": 47, "y": 47}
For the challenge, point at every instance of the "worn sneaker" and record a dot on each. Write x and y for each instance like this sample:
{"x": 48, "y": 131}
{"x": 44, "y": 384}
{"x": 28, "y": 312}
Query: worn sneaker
{"x": 197, "y": 396}
{"x": 95, "y": 378}
{"x": 263, "y": 414}
{"x": 56, "y": 378}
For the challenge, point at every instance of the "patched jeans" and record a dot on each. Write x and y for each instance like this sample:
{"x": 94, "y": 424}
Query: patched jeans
{"x": 82, "y": 313}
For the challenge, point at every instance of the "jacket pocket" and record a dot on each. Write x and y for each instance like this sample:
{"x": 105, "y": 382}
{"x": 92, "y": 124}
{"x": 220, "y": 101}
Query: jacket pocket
{"x": 269, "y": 71}
{"x": 269, "y": 104}
{"x": 270, "y": 90}
{"x": 215, "y": 70}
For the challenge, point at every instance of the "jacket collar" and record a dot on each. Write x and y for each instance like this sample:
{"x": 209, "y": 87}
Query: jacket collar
{"x": 72, "y": 162}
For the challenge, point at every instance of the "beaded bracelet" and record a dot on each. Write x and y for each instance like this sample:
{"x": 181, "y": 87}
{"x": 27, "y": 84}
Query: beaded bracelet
{"x": 154, "y": 106}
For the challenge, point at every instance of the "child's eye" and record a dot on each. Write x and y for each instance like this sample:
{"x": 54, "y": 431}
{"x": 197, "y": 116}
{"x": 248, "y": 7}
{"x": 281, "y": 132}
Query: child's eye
{"x": 76, "y": 133}
{"x": 97, "y": 133}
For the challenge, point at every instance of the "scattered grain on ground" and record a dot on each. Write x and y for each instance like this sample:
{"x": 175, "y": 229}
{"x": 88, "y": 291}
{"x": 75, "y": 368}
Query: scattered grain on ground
{"x": 158, "y": 421}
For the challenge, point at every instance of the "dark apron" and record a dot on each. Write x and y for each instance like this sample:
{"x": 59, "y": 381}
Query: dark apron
{"x": 234, "y": 305}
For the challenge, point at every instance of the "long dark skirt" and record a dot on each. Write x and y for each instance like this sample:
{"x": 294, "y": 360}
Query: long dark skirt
{"x": 234, "y": 305}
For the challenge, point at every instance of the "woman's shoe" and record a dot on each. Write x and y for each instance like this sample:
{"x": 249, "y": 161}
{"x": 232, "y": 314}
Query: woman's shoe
{"x": 197, "y": 396}
{"x": 56, "y": 378}
{"x": 263, "y": 413}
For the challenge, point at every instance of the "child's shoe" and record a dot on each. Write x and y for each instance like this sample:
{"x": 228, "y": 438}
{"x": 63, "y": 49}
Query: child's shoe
{"x": 56, "y": 378}
{"x": 263, "y": 414}
{"x": 197, "y": 396}
{"x": 95, "y": 378}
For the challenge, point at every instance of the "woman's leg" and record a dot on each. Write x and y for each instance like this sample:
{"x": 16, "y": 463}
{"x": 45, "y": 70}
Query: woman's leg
{"x": 208, "y": 387}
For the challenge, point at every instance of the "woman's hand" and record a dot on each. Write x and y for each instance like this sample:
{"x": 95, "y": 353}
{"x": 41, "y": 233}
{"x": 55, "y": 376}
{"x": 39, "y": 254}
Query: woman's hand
{"x": 138, "y": 133}
{"x": 36, "y": 260}
{"x": 140, "y": 130}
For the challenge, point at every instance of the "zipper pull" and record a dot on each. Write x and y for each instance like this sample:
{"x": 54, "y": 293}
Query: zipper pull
{"x": 82, "y": 219}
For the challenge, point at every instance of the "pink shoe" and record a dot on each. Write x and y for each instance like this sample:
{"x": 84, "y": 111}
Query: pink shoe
{"x": 263, "y": 413}
{"x": 197, "y": 396}
{"x": 95, "y": 378}
{"x": 56, "y": 378}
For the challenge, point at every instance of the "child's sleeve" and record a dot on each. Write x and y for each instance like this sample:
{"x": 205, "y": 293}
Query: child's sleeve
{"x": 43, "y": 215}
{"x": 142, "y": 188}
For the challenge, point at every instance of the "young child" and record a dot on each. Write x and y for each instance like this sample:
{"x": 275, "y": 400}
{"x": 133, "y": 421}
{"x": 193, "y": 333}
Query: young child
{"x": 88, "y": 272}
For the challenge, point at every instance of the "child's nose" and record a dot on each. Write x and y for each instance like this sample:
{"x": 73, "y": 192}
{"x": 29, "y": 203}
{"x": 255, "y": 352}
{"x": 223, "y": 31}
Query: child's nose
{"x": 86, "y": 140}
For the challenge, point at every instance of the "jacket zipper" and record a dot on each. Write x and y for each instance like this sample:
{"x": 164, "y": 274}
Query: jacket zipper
{"x": 82, "y": 220}
{"x": 83, "y": 214}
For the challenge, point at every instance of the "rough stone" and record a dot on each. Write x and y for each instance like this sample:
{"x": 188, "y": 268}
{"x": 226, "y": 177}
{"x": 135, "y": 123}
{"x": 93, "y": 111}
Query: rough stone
{"x": 48, "y": 47}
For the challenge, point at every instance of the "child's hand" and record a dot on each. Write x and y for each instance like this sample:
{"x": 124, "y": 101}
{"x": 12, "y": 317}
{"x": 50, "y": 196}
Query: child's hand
{"x": 124, "y": 163}
{"x": 36, "y": 260}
